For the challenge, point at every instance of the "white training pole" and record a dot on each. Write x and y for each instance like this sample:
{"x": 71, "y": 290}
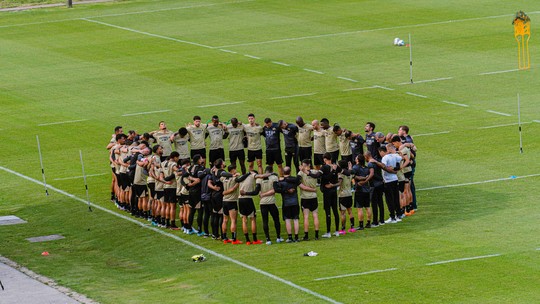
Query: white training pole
{"x": 410, "y": 56}
{"x": 519, "y": 126}
{"x": 41, "y": 163}
{"x": 85, "y": 184}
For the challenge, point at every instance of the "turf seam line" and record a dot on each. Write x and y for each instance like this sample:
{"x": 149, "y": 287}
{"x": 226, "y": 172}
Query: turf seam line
{"x": 355, "y": 274}
{"x": 175, "y": 237}
{"x": 144, "y": 113}
{"x": 61, "y": 122}
{"x": 292, "y": 96}
{"x": 220, "y": 104}
{"x": 478, "y": 183}
{"x": 464, "y": 259}
{"x": 498, "y": 113}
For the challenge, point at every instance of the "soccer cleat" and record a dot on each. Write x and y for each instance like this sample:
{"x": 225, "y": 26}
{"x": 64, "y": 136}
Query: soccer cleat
{"x": 305, "y": 238}
{"x": 389, "y": 220}
{"x": 342, "y": 232}
{"x": 368, "y": 225}
{"x": 194, "y": 230}
{"x": 279, "y": 240}
{"x": 289, "y": 241}
{"x": 360, "y": 228}
{"x": 248, "y": 243}
{"x": 374, "y": 225}
{"x": 352, "y": 230}
{"x": 381, "y": 222}
{"x": 257, "y": 242}
{"x": 398, "y": 219}
{"x": 326, "y": 235}
{"x": 200, "y": 233}
{"x": 237, "y": 242}
{"x": 336, "y": 233}
{"x": 173, "y": 227}
{"x": 268, "y": 242}
{"x": 225, "y": 241}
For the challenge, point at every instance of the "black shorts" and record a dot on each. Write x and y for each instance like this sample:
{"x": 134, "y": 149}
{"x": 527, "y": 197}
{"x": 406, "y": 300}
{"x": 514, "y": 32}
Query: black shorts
{"x": 401, "y": 186}
{"x": 304, "y": 153}
{"x": 237, "y": 155}
{"x": 274, "y": 156}
{"x": 347, "y": 158}
{"x": 124, "y": 181}
{"x": 345, "y": 202}
{"x": 318, "y": 159}
{"x": 152, "y": 187}
{"x": 246, "y": 207}
{"x": 170, "y": 195}
{"x": 201, "y": 152}
{"x": 361, "y": 199}
{"x": 217, "y": 204}
{"x": 228, "y": 206}
{"x": 195, "y": 199}
{"x": 291, "y": 212}
{"x": 252, "y": 155}
{"x": 140, "y": 190}
{"x": 309, "y": 203}
{"x": 160, "y": 195}
{"x": 335, "y": 156}
{"x": 408, "y": 175}
{"x": 216, "y": 154}
{"x": 184, "y": 199}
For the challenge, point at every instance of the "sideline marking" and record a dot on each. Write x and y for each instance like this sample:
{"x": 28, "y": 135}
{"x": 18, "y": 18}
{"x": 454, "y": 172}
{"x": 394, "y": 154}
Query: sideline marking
{"x": 292, "y": 96}
{"x": 228, "y": 51}
{"x": 477, "y": 183}
{"x": 147, "y": 33}
{"x": 281, "y": 63}
{"x": 417, "y": 95}
{"x": 505, "y": 125}
{"x": 498, "y": 113}
{"x": 144, "y": 113}
{"x": 355, "y": 274}
{"x": 465, "y": 259}
{"x": 434, "y": 133}
{"x": 357, "y": 89}
{"x": 314, "y": 71}
{"x": 61, "y": 122}
{"x": 220, "y": 104}
{"x": 348, "y": 79}
{"x": 384, "y": 88}
{"x": 175, "y": 237}
{"x": 251, "y": 56}
{"x": 499, "y": 72}
{"x": 427, "y": 80}
{"x": 455, "y": 103}
{"x": 75, "y": 177}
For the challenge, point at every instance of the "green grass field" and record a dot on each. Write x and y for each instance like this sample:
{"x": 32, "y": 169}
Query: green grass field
{"x": 71, "y": 75}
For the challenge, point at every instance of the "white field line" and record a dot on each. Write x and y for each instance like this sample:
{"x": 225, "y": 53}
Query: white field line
{"x": 314, "y": 71}
{"x": 292, "y": 96}
{"x": 465, "y": 259}
{"x": 280, "y": 63}
{"x": 358, "y": 89}
{"x": 384, "y": 88}
{"x": 355, "y": 274}
{"x": 372, "y": 30}
{"x": 145, "y": 113}
{"x": 220, "y": 104}
{"x": 455, "y": 103}
{"x": 252, "y": 57}
{"x": 537, "y": 121}
{"x": 505, "y": 125}
{"x": 127, "y": 13}
{"x": 147, "y": 34}
{"x": 499, "y": 72}
{"x": 417, "y": 95}
{"x": 498, "y": 113}
{"x": 434, "y": 133}
{"x": 61, "y": 122}
{"x": 347, "y": 79}
{"x": 478, "y": 183}
{"x": 228, "y": 51}
{"x": 427, "y": 80}
{"x": 76, "y": 177}
{"x": 177, "y": 238}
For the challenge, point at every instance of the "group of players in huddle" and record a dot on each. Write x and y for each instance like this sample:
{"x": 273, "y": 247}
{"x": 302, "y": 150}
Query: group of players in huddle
{"x": 156, "y": 171}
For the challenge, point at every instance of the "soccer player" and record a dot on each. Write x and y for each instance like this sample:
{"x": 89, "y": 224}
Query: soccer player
{"x": 330, "y": 140}
{"x": 391, "y": 191}
{"x": 123, "y": 155}
{"x": 216, "y": 186}
{"x": 182, "y": 193}
{"x": 404, "y": 175}
{"x": 377, "y": 190}
{"x": 180, "y": 140}
{"x": 406, "y": 139}
{"x": 308, "y": 197}
{"x": 112, "y": 143}
{"x": 197, "y": 135}
{"x": 236, "y": 145}
{"x": 217, "y": 132}
{"x": 115, "y": 164}
{"x": 345, "y": 195}
{"x": 290, "y": 133}
{"x": 305, "y": 133}
{"x": 253, "y": 134}
{"x": 273, "y": 144}
{"x": 329, "y": 184}
{"x": 356, "y": 142}
{"x": 265, "y": 188}
{"x": 319, "y": 147}
{"x": 247, "y": 207}
{"x": 372, "y": 143}
{"x": 344, "y": 144}
{"x": 362, "y": 178}
{"x": 230, "y": 204}
{"x": 287, "y": 187}
{"x": 206, "y": 199}
{"x": 168, "y": 174}
{"x": 194, "y": 190}
{"x": 163, "y": 138}
{"x": 158, "y": 211}
{"x": 140, "y": 182}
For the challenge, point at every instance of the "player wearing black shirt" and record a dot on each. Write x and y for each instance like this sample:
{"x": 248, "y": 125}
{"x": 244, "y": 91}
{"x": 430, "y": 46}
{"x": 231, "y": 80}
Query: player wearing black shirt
{"x": 273, "y": 144}
{"x": 290, "y": 131}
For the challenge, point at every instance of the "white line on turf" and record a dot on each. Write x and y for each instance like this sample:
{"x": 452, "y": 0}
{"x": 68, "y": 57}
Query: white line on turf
{"x": 281, "y": 63}
{"x": 455, "y": 103}
{"x": 464, "y": 259}
{"x": 314, "y": 71}
{"x": 417, "y": 95}
{"x": 358, "y": 89}
{"x": 176, "y": 237}
{"x": 537, "y": 121}
{"x": 220, "y": 104}
{"x": 384, "y": 88}
{"x": 427, "y": 80}
{"x": 348, "y": 79}
{"x": 228, "y": 51}
{"x": 505, "y": 125}
{"x": 371, "y": 30}
{"x": 434, "y": 133}
{"x": 144, "y": 113}
{"x": 499, "y": 72}
{"x": 498, "y": 113}
{"x": 76, "y": 177}
{"x": 61, "y": 122}
{"x": 147, "y": 34}
{"x": 478, "y": 183}
{"x": 253, "y": 57}
{"x": 355, "y": 274}
{"x": 292, "y": 96}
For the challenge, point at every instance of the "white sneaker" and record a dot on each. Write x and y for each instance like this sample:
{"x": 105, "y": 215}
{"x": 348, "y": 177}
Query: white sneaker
{"x": 326, "y": 235}
{"x": 268, "y": 242}
{"x": 336, "y": 233}
{"x": 398, "y": 219}
{"x": 389, "y": 220}
{"x": 279, "y": 240}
